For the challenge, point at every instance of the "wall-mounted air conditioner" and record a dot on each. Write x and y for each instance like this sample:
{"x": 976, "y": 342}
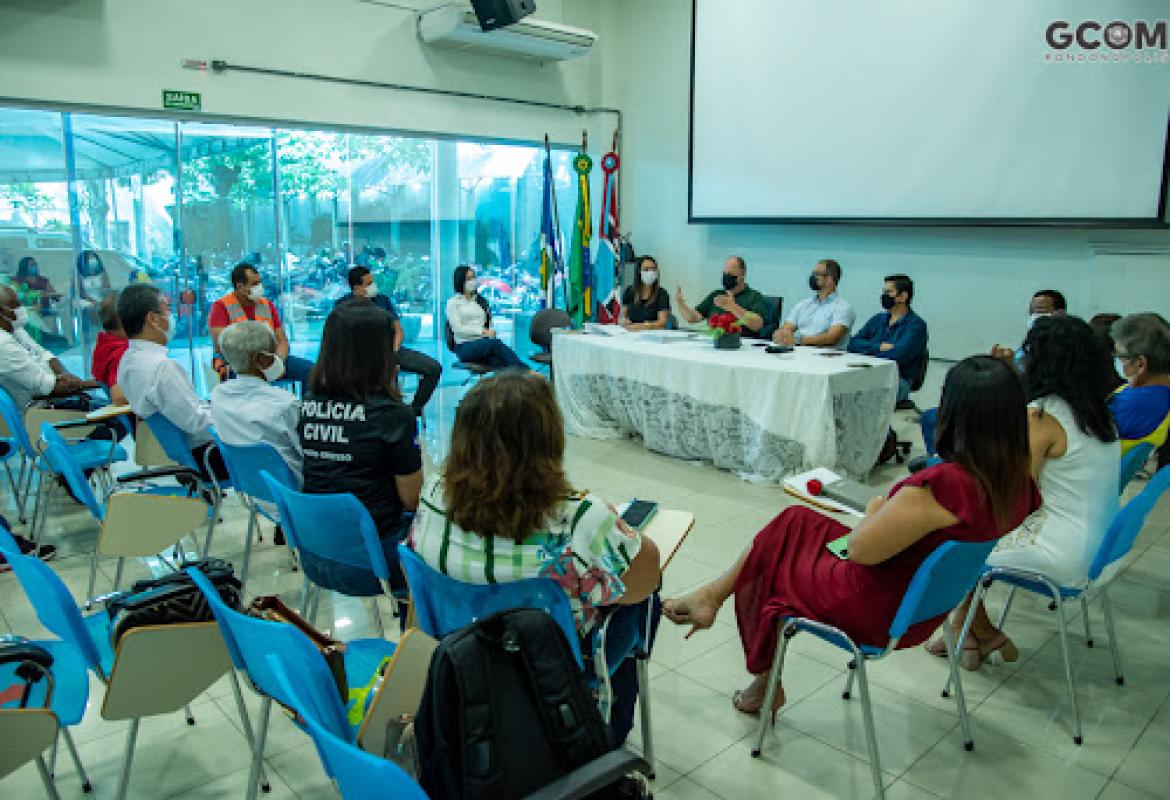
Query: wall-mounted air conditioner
{"x": 456, "y": 26}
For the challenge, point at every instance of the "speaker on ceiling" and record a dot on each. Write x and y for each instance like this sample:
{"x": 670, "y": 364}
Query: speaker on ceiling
{"x": 494, "y": 14}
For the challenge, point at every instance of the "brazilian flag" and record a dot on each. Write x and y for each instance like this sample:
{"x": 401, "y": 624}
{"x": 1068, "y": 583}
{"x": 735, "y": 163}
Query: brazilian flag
{"x": 579, "y": 294}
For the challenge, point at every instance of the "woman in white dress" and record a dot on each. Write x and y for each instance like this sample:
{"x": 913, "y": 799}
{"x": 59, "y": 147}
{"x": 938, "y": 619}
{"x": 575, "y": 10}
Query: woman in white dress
{"x": 1075, "y": 459}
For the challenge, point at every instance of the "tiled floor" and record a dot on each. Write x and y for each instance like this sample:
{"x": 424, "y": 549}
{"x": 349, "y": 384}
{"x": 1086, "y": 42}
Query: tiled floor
{"x": 1021, "y": 716}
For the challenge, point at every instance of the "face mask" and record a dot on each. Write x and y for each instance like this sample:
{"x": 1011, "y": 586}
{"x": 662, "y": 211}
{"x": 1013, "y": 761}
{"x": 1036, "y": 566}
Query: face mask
{"x": 20, "y": 317}
{"x": 887, "y": 302}
{"x": 469, "y": 285}
{"x": 372, "y": 291}
{"x": 1119, "y": 366}
{"x": 256, "y": 292}
{"x": 1033, "y": 317}
{"x": 169, "y": 331}
{"x": 649, "y": 276}
{"x": 274, "y": 371}
{"x": 814, "y": 282}
{"x": 729, "y": 281}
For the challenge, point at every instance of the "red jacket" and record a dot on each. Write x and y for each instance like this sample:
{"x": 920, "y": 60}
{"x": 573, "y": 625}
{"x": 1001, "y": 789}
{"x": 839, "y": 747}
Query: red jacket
{"x": 107, "y": 355}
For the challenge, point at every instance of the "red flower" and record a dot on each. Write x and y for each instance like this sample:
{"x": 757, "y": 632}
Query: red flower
{"x": 814, "y": 487}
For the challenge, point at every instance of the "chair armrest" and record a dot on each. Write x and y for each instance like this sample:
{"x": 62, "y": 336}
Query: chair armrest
{"x": 597, "y": 774}
{"x": 158, "y": 472}
{"x": 80, "y": 422}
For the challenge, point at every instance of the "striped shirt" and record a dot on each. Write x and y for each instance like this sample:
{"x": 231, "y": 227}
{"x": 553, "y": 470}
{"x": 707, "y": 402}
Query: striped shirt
{"x": 581, "y": 548}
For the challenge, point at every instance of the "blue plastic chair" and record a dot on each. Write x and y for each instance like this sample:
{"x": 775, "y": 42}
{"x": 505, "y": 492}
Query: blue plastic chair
{"x": 244, "y": 464}
{"x": 443, "y": 604}
{"x": 333, "y": 529}
{"x": 1115, "y": 545}
{"x": 70, "y": 684}
{"x": 938, "y": 586}
{"x": 1132, "y": 461}
{"x": 359, "y": 775}
{"x": 249, "y": 640}
{"x": 174, "y": 443}
{"x": 90, "y": 454}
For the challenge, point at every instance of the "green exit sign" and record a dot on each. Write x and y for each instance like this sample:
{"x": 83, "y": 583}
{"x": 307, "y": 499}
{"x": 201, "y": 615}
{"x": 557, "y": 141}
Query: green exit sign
{"x": 182, "y": 101}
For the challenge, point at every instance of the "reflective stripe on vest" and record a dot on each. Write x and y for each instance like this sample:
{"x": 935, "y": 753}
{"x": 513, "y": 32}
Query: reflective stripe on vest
{"x": 236, "y": 312}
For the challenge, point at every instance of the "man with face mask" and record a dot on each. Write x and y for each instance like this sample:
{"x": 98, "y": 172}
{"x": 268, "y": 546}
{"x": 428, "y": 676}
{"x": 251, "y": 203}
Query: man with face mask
{"x": 823, "y": 320}
{"x": 897, "y": 333}
{"x": 153, "y": 382}
{"x": 736, "y": 297}
{"x": 1045, "y": 303}
{"x": 362, "y": 287}
{"x": 249, "y": 409}
{"x": 27, "y": 370}
{"x": 246, "y": 301}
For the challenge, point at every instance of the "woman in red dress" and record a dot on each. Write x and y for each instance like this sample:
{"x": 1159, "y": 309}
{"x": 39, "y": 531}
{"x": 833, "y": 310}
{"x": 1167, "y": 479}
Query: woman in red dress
{"x": 981, "y": 491}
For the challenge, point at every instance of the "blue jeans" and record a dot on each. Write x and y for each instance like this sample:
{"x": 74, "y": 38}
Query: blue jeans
{"x": 626, "y": 625}
{"x": 903, "y": 390}
{"x": 490, "y": 351}
{"x": 928, "y": 422}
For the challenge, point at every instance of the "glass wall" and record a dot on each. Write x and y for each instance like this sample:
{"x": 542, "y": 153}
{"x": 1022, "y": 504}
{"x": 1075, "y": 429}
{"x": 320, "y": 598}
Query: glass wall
{"x": 90, "y": 203}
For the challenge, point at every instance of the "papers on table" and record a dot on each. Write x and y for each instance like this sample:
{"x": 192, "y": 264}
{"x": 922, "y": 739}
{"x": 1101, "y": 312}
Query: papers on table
{"x": 797, "y": 486}
{"x": 108, "y": 412}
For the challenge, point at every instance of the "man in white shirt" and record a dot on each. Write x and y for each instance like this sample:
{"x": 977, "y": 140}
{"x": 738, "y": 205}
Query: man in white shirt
{"x": 154, "y": 383}
{"x": 823, "y": 320}
{"x": 247, "y": 409}
{"x": 27, "y": 370}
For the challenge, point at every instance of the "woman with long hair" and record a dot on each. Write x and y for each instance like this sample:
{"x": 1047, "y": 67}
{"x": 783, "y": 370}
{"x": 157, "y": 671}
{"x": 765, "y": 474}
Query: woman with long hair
{"x": 470, "y": 319}
{"x": 503, "y": 510}
{"x": 980, "y": 491}
{"x": 1075, "y": 457}
{"x": 356, "y": 434}
{"x": 645, "y": 305}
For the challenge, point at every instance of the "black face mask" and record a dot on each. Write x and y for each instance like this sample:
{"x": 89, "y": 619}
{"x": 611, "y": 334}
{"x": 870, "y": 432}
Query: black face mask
{"x": 814, "y": 283}
{"x": 887, "y": 302}
{"x": 729, "y": 281}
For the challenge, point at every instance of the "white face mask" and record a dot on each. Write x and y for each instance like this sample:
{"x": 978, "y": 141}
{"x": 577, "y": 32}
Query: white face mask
{"x": 275, "y": 370}
{"x": 1033, "y": 317}
{"x": 649, "y": 276}
{"x": 1119, "y": 365}
{"x": 20, "y": 317}
{"x": 469, "y": 285}
{"x": 372, "y": 291}
{"x": 256, "y": 292}
{"x": 169, "y": 331}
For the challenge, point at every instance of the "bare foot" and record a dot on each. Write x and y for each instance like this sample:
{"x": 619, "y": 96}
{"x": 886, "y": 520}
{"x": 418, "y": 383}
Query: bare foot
{"x": 697, "y": 609}
{"x": 751, "y": 699}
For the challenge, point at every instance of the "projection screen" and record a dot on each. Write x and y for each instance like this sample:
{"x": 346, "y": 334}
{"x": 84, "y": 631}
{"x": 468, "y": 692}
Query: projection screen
{"x": 910, "y": 111}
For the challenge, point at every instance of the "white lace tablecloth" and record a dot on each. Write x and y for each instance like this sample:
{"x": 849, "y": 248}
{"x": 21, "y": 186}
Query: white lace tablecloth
{"x": 758, "y": 414}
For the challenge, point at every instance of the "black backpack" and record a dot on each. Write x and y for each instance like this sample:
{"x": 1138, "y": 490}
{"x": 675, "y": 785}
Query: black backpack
{"x": 171, "y": 598}
{"x": 506, "y": 710}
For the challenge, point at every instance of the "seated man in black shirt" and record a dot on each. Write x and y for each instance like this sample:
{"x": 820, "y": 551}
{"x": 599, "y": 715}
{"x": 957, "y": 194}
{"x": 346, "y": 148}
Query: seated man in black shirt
{"x": 362, "y": 287}
{"x": 645, "y": 305}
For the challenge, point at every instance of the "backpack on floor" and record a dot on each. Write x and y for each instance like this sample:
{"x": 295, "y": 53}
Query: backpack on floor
{"x": 171, "y": 598}
{"x": 506, "y": 710}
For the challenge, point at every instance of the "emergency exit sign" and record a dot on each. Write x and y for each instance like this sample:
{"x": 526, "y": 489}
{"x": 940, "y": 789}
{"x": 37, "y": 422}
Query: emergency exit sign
{"x": 182, "y": 101}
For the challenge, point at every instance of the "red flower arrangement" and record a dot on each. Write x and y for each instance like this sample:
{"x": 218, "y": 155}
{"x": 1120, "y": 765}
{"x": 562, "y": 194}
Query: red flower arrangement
{"x": 722, "y": 324}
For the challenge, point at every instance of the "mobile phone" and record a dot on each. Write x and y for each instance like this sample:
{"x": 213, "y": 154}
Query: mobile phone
{"x": 639, "y": 513}
{"x": 777, "y": 348}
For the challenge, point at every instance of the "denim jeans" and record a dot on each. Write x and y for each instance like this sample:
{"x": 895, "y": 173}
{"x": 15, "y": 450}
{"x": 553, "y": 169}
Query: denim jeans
{"x": 903, "y": 390}
{"x": 625, "y": 626}
{"x": 427, "y": 370}
{"x": 490, "y": 351}
{"x": 928, "y": 422}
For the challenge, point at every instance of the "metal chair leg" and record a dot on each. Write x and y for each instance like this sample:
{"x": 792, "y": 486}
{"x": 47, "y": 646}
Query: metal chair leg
{"x": 247, "y": 553}
{"x": 212, "y": 521}
{"x": 53, "y": 753}
{"x": 852, "y": 669}
{"x": 246, "y": 722}
{"x": 1114, "y": 647}
{"x": 1007, "y": 606}
{"x": 1085, "y": 619}
{"x": 774, "y": 675}
{"x": 957, "y": 682}
{"x": 306, "y": 590}
{"x": 870, "y": 735}
{"x": 46, "y": 779}
{"x": 86, "y": 786}
{"x": 377, "y": 614}
{"x": 979, "y": 594}
{"x": 118, "y": 573}
{"x": 315, "y": 605}
{"x": 188, "y": 715}
{"x": 1068, "y": 673}
{"x": 643, "y": 666}
{"x": 93, "y": 566}
{"x": 127, "y": 760}
{"x": 258, "y": 751}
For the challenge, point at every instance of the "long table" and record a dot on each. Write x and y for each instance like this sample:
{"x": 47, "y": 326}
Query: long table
{"x": 758, "y": 414}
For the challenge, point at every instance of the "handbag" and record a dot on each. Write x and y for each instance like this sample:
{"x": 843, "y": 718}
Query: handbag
{"x": 171, "y": 599}
{"x": 271, "y": 608}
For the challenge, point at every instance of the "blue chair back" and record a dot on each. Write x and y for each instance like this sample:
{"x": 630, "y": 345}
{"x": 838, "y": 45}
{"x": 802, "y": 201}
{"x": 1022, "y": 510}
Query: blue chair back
{"x": 443, "y": 604}
{"x": 1132, "y": 461}
{"x": 940, "y": 583}
{"x": 246, "y": 462}
{"x": 359, "y": 775}
{"x": 61, "y": 461}
{"x": 14, "y": 419}
{"x": 1126, "y": 526}
{"x": 52, "y": 602}
{"x": 323, "y": 526}
{"x": 172, "y": 440}
{"x": 250, "y": 640}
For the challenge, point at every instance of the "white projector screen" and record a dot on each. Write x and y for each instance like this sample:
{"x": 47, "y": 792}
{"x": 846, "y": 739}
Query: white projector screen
{"x": 915, "y": 111}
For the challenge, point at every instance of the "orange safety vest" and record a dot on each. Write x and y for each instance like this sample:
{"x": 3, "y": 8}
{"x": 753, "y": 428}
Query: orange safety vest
{"x": 236, "y": 313}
